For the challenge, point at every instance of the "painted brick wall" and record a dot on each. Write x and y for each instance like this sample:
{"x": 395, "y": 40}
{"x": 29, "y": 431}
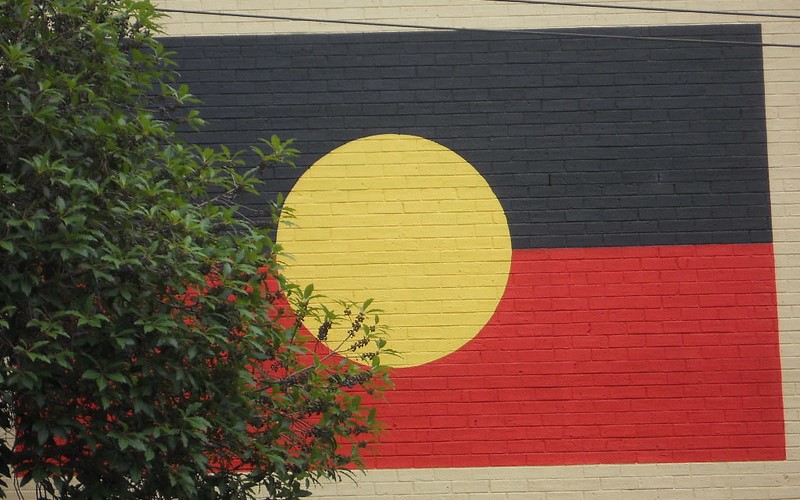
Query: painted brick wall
{"x": 638, "y": 321}
{"x": 586, "y": 141}
{"x": 648, "y": 190}
{"x": 645, "y": 344}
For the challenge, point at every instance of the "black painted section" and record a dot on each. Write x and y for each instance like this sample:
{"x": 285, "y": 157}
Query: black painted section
{"x": 586, "y": 141}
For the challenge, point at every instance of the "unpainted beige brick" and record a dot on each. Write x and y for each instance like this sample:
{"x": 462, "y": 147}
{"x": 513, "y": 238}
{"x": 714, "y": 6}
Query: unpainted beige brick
{"x": 506, "y": 485}
{"x": 564, "y": 495}
{"x": 784, "y": 493}
{"x": 748, "y": 493}
{"x": 394, "y": 488}
{"x": 432, "y": 487}
{"x": 662, "y": 482}
{"x": 471, "y": 486}
{"x": 619, "y": 483}
{"x": 415, "y": 475}
{"x": 763, "y": 480}
{"x": 712, "y": 493}
{"x": 531, "y": 495}
{"x": 487, "y": 496}
{"x": 351, "y": 488}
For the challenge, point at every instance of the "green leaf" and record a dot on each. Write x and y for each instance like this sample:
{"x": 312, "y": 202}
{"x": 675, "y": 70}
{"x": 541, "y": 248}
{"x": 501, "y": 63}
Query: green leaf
{"x": 118, "y": 377}
{"x": 91, "y": 375}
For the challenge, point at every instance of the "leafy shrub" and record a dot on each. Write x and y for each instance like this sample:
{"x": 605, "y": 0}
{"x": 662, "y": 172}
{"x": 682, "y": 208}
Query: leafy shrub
{"x": 147, "y": 346}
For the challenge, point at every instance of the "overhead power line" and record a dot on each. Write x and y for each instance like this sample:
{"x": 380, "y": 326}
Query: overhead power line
{"x": 655, "y": 9}
{"x": 547, "y": 32}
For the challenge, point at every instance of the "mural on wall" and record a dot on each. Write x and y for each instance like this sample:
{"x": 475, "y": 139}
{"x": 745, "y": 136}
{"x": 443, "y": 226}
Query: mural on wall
{"x": 570, "y": 235}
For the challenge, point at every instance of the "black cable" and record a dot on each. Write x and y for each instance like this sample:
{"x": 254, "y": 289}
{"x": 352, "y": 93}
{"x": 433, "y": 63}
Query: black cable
{"x": 654, "y": 9}
{"x": 450, "y": 28}
{"x": 301, "y": 19}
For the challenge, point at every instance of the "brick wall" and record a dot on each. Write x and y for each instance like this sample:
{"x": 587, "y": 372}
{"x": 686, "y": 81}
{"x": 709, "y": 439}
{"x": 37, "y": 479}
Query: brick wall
{"x": 644, "y": 346}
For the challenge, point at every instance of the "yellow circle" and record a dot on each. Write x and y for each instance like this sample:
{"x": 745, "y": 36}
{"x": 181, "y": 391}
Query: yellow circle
{"x": 409, "y": 223}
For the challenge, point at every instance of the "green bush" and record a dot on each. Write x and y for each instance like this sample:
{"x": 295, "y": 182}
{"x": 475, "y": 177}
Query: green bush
{"x": 147, "y": 349}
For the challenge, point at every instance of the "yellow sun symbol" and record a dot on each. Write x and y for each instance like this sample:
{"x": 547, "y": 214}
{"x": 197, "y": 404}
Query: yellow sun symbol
{"x": 409, "y": 223}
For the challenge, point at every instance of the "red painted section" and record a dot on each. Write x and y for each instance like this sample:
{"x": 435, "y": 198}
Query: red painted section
{"x": 605, "y": 355}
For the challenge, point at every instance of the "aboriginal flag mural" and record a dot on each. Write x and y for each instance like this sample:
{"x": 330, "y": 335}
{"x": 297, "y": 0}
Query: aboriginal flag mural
{"x": 570, "y": 234}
